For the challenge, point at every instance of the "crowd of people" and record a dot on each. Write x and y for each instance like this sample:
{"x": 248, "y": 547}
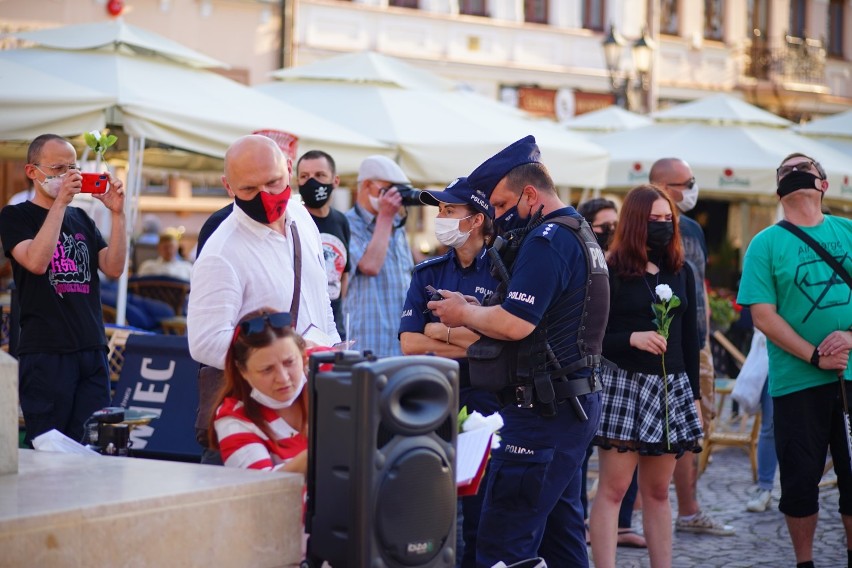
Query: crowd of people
{"x": 586, "y": 330}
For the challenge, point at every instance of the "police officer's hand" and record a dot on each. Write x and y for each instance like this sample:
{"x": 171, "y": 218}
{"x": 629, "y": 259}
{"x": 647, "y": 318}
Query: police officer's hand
{"x": 835, "y": 342}
{"x": 472, "y": 300}
{"x": 389, "y": 203}
{"x": 451, "y": 309}
{"x": 649, "y": 341}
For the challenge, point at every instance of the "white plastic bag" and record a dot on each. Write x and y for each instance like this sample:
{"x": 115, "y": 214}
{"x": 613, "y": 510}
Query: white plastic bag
{"x": 56, "y": 441}
{"x": 755, "y": 370}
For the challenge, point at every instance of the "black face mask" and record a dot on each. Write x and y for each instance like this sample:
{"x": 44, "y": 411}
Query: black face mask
{"x": 604, "y": 238}
{"x": 660, "y": 234}
{"x": 795, "y": 181}
{"x": 314, "y": 193}
{"x": 264, "y": 207}
{"x": 510, "y": 220}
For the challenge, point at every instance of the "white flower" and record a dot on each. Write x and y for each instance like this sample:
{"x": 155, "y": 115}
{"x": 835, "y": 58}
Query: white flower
{"x": 96, "y": 134}
{"x": 494, "y": 421}
{"x": 475, "y": 420}
{"x": 664, "y": 291}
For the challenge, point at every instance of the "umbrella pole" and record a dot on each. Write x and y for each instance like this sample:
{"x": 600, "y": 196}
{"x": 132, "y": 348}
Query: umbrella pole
{"x": 131, "y": 205}
{"x": 846, "y": 429}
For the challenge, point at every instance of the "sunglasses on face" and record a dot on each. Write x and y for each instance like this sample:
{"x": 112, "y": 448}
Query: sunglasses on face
{"x": 603, "y": 226}
{"x": 688, "y": 184}
{"x": 256, "y": 325}
{"x": 807, "y": 166}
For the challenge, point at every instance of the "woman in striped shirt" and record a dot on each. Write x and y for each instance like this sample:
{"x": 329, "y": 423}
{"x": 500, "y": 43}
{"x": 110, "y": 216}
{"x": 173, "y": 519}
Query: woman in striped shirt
{"x": 262, "y": 412}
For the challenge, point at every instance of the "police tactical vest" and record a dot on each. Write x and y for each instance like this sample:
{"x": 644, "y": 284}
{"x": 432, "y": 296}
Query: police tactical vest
{"x": 495, "y": 364}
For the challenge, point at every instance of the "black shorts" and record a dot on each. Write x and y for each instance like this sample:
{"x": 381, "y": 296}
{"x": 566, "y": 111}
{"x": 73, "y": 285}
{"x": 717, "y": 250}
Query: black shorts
{"x": 809, "y": 423}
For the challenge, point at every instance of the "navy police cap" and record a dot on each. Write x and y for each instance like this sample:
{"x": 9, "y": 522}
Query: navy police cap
{"x": 459, "y": 191}
{"x": 489, "y": 173}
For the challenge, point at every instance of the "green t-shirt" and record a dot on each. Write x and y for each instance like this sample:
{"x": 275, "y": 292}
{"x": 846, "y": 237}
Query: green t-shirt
{"x": 782, "y": 270}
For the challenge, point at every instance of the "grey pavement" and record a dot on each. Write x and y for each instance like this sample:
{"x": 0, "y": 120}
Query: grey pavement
{"x": 761, "y": 538}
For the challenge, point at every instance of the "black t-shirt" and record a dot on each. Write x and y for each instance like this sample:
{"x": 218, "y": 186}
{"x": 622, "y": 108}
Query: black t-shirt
{"x": 334, "y": 233}
{"x": 60, "y": 309}
{"x": 630, "y": 310}
{"x": 211, "y": 224}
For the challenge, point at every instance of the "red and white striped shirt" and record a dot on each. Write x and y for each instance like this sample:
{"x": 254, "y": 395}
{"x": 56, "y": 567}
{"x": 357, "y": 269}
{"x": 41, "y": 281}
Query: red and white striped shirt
{"x": 245, "y": 445}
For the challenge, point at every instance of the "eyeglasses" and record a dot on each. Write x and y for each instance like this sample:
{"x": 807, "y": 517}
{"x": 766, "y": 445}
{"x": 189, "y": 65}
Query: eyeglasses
{"x": 258, "y": 324}
{"x": 688, "y": 184}
{"x": 603, "y": 226}
{"x": 61, "y": 169}
{"x": 800, "y": 167}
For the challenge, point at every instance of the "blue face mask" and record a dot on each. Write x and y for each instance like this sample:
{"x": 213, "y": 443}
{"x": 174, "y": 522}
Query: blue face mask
{"x": 511, "y": 219}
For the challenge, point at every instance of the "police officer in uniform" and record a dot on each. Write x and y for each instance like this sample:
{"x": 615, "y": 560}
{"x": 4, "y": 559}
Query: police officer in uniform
{"x": 551, "y": 323}
{"x": 464, "y": 224}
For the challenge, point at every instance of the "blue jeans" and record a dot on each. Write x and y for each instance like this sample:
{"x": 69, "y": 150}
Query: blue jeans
{"x": 767, "y": 459}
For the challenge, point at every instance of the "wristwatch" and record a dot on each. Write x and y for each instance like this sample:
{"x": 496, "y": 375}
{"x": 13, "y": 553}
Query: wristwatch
{"x": 815, "y": 358}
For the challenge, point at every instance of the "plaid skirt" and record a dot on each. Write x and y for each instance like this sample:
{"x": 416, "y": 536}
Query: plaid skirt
{"x": 635, "y": 409}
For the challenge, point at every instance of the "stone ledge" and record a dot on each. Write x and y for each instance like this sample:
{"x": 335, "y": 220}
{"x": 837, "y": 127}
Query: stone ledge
{"x": 68, "y": 510}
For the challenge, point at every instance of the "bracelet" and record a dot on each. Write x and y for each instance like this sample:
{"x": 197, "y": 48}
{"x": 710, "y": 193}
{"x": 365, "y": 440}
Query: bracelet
{"x": 448, "y": 335}
{"x": 815, "y": 358}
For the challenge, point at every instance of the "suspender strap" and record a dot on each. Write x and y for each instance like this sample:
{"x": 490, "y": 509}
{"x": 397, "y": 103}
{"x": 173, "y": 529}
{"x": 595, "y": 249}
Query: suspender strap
{"x": 297, "y": 274}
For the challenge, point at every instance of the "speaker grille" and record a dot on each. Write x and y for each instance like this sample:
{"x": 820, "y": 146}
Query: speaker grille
{"x": 383, "y": 436}
{"x": 445, "y": 430}
{"x": 416, "y": 507}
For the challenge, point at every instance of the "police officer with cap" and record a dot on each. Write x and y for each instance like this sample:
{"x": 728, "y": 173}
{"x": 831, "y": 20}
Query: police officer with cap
{"x": 555, "y": 310}
{"x": 464, "y": 224}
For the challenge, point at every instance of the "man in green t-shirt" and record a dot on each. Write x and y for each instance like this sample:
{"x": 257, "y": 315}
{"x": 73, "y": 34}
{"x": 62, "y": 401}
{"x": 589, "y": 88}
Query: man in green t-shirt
{"x": 805, "y": 310}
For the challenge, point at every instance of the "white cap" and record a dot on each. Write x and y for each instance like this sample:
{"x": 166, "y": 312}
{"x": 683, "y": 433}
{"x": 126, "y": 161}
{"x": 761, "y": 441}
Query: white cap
{"x": 381, "y": 168}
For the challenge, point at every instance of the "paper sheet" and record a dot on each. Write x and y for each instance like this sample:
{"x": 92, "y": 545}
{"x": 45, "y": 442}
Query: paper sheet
{"x": 472, "y": 448}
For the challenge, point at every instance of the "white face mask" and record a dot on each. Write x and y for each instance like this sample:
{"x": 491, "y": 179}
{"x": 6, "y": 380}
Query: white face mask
{"x": 51, "y": 184}
{"x": 448, "y": 234}
{"x": 690, "y": 198}
{"x": 275, "y": 404}
{"x": 374, "y": 202}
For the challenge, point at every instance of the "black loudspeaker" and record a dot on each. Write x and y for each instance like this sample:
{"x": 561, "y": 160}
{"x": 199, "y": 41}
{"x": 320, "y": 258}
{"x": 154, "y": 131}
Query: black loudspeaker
{"x": 381, "y": 461}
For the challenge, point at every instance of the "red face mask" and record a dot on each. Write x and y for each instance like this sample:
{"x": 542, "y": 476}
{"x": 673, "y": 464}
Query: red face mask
{"x": 264, "y": 207}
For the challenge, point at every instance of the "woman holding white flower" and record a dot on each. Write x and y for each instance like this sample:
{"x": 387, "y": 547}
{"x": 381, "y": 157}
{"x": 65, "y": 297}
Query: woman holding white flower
{"x": 650, "y": 416}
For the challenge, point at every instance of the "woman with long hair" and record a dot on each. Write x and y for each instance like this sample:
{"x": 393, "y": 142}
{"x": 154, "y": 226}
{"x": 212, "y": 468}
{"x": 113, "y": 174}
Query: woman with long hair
{"x": 650, "y": 416}
{"x": 261, "y": 419}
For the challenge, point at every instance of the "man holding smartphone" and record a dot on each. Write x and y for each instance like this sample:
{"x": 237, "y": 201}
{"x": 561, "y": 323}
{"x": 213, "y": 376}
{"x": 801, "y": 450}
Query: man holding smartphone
{"x": 56, "y": 251}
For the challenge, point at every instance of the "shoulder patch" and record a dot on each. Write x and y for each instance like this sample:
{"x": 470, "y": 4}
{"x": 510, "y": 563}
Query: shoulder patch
{"x": 545, "y": 231}
{"x": 431, "y": 262}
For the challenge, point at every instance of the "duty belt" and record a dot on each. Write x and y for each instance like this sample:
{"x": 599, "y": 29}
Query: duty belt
{"x": 563, "y": 389}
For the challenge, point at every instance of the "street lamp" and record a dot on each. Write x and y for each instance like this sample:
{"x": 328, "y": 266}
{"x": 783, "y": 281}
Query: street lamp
{"x": 628, "y": 84}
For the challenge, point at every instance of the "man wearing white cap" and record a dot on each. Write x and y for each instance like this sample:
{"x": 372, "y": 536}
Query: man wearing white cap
{"x": 379, "y": 251}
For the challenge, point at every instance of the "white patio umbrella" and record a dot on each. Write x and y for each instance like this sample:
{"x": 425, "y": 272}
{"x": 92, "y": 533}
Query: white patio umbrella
{"x": 732, "y": 147}
{"x": 438, "y": 132}
{"x": 34, "y": 102}
{"x": 834, "y": 130}
{"x": 116, "y": 35}
{"x": 602, "y": 121}
{"x": 156, "y": 89}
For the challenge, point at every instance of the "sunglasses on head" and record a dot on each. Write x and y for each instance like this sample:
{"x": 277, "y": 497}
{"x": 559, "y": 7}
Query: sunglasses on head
{"x": 256, "y": 325}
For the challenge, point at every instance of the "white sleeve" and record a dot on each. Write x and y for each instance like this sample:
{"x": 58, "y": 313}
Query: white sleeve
{"x": 214, "y": 301}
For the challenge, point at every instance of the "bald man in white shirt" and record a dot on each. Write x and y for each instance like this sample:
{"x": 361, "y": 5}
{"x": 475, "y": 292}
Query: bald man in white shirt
{"x": 248, "y": 263}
